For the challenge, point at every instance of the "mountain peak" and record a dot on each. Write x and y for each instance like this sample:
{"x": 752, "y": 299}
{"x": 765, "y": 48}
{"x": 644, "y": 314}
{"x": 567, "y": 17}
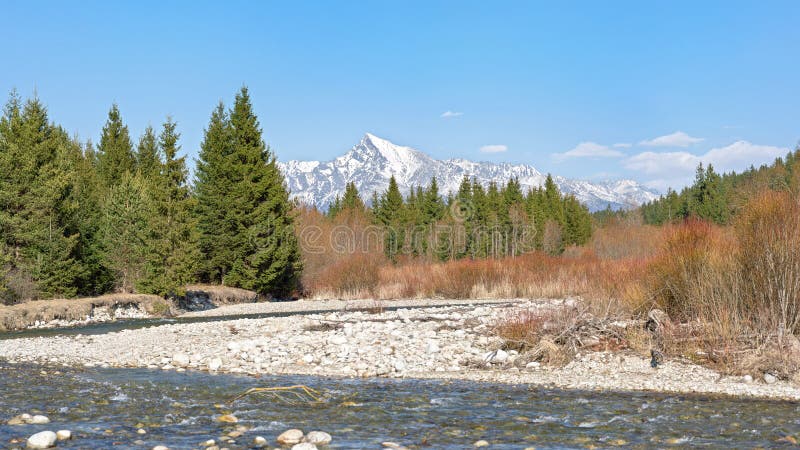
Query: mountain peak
{"x": 374, "y": 160}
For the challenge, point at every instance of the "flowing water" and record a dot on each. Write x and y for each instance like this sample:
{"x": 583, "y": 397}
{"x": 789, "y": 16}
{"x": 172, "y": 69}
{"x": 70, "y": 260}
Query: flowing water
{"x": 104, "y": 409}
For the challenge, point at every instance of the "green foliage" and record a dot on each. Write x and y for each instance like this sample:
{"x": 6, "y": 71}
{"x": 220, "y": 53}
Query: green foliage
{"x": 115, "y": 153}
{"x": 478, "y": 222}
{"x": 245, "y": 217}
{"x": 717, "y": 197}
{"x": 172, "y": 252}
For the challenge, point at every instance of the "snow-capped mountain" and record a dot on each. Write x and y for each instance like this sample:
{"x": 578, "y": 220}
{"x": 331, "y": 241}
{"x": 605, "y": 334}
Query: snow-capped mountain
{"x": 373, "y": 161}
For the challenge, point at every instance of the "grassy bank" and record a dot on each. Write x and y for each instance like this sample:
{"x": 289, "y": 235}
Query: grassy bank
{"x": 24, "y": 315}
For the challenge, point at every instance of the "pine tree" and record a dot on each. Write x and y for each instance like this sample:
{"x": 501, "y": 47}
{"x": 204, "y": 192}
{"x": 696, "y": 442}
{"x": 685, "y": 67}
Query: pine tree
{"x": 38, "y": 202}
{"x": 172, "y": 253}
{"x": 115, "y": 153}
{"x": 216, "y": 224}
{"x": 263, "y": 249}
{"x": 126, "y": 211}
{"x": 389, "y": 213}
{"x": 148, "y": 160}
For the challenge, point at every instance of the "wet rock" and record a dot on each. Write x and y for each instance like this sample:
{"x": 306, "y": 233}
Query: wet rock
{"x": 227, "y": 418}
{"x": 304, "y": 446}
{"x": 480, "y": 443}
{"x": 160, "y": 447}
{"x": 141, "y": 431}
{"x": 290, "y": 437}
{"x": 259, "y": 441}
{"x": 21, "y": 419}
{"x": 209, "y": 443}
{"x": 39, "y": 420}
{"x": 393, "y": 445}
{"x": 319, "y": 438}
{"x": 43, "y": 439}
{"x": 63, "y": 435}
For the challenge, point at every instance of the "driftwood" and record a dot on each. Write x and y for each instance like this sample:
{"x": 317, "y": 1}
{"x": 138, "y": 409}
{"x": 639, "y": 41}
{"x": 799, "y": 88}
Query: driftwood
{"x": 291, "y": 395}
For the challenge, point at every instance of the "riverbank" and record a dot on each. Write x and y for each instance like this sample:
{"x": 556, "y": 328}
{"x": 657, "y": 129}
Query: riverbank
{"x": 61, "y": 313}
{"x": 445, "y": 342}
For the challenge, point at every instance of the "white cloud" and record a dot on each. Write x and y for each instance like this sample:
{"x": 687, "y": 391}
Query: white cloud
{"x": 676, "y": 139}
{"x": 622, "y": 145}
{"x": 494, "y": 148}
{"x": 589, "y": 150}
{"x": 450, "y": 114}
{"x": 676, "y": 169}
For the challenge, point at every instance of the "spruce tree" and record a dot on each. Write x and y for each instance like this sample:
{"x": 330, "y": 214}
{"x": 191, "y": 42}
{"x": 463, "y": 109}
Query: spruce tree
{"x": 390, "y": 213}
{"x": 216, "y": 225}
{"x": 148, "y": 160}
{"x": 115, "y": 153}
{"x": 239, "y": 174}
{"x": 172, "y": 253}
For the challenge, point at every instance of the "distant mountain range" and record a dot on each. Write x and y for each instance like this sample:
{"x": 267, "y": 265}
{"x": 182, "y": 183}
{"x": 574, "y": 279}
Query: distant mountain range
{"x": 373, "y": 161}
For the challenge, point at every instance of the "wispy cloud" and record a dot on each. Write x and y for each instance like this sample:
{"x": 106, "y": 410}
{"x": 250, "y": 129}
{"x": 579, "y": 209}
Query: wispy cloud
{"x": 494, "y": 148}
{"x": 450, "y": 114}
{"x": 622, "y": 145}
{"x": 676, "y": 139}
{"x": 589, "y": 150}
{"x": 676, "y": 169}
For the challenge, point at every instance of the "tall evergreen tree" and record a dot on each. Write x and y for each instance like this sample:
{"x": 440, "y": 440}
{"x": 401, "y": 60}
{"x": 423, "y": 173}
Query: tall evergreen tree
{"x": 148, "y": 160}
{"x": 172, "y": 252}
{"x": 263, "y": 249}
{"x": 115, "y": 153}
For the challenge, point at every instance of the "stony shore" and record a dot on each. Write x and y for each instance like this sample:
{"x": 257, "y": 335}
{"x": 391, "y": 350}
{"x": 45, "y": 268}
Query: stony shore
{"x": 416, "y": 341}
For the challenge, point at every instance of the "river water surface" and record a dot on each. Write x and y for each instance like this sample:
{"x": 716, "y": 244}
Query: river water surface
{"x": 105, "y": 407}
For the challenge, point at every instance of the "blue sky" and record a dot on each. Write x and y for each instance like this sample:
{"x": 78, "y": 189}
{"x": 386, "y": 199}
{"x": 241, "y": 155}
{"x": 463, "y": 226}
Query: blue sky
{"x": 641, "y": 90}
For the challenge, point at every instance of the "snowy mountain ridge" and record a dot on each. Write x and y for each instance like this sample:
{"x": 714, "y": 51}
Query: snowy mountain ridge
{"x": 374, "y": 160}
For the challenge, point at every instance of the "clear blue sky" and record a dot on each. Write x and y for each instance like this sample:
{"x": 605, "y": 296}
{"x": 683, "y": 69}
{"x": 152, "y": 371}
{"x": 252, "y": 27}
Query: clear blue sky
{"x": 718, "y": 81}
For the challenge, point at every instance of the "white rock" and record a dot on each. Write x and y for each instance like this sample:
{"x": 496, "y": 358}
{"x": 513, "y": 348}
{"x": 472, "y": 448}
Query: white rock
{"x": 215, "y": 364}
{"x": 259, "y": 441}
{"x": 337, "y": 339}
{"x": 399, "y": 365}
{"x": 432, "y": 347}
{"x": 308, "y": 358}
{"x": 43, "y": 439}
{"x": 234, "y": 347}
{"x": 497, "y": 356}
{"x": 532, "y": 365}
{"x": 63, "y": 435}
{"x": 768, "y": 378}
{"x": 290, "y": 437}
{"x": 319, "y": 438}
{"x": 160, "y": 447}
{"x": 304, "y": 446}
{"x": 38, "y": 420}
{"x": 180, "y": 360}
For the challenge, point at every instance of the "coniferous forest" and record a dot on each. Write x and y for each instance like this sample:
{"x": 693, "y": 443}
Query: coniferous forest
{"x": 124, "y": 214}
{"x": 78, "y": 219}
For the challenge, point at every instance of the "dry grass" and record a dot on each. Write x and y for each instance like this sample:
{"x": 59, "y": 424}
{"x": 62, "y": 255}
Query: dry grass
{"x": 223, "y": 295}
{"x": 23, "y": 315}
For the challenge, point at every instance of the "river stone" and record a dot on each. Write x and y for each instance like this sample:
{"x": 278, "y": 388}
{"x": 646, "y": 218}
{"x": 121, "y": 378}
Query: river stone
{"x": 227, "y": 418}
{"x": 19, "y": 420}
{"x": 768, "y": 378}
{"x": 214, "y": 364}
{"x": 481, "y": 443}
{"x": 393, "y": 445}
{"x": 63, "y": 435}
{"x": 290, "y": 437}
{"x": 160, "y": 447}
{"x": 42, "y": 439}
{"x": 319, "y": 438}
{"x": 180, "y": 360}
{"x": 38, "y": 420}
{"x": 304, "y": 446}
{"x": 259, "y": 441}
{"x": 337, "y": 339}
